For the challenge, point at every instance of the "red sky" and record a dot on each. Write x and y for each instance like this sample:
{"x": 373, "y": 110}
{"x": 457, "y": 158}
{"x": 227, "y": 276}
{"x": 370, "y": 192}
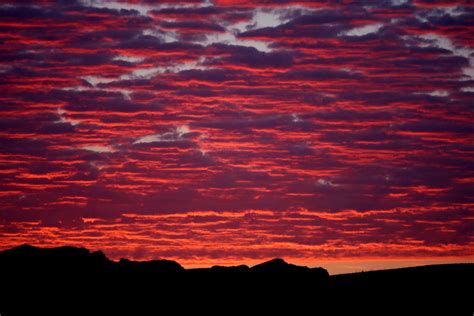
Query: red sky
{"x": 229, "y": 132}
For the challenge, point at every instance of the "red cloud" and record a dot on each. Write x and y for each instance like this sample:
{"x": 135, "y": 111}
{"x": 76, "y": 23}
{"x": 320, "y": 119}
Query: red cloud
{"x": 188, "y": 131}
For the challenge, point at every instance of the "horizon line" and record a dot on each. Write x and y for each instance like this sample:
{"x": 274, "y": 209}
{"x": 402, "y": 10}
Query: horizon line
{"x": 334, "y": 266}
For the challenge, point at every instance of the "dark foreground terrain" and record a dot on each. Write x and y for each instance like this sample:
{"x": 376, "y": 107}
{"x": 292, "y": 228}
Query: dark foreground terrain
{"x": 68, "y": 280}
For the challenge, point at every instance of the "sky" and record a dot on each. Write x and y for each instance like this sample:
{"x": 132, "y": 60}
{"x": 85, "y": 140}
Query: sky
{"x": 328, "y": 133}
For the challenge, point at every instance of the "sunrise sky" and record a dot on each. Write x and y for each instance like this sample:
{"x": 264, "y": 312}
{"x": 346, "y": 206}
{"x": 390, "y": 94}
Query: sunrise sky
{"x": 232, "y": 132}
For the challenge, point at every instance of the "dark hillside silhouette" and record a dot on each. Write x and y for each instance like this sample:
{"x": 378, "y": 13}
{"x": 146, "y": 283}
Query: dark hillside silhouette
{"x": 45, "y": 276}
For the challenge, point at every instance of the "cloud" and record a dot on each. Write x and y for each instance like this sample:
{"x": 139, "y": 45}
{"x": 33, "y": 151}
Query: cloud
{"x": 63, "y": 119}
{"x": 252, "y": 57}
{"x": 325, "y": 182}
{"x": 193, "y": 26}
{"x": 172, "y": 136}
{"x": 302, "y": 128}
{"x": 321, "y": 74}
{"x": 99, "y": 148}
{"x": 363, "y": 30}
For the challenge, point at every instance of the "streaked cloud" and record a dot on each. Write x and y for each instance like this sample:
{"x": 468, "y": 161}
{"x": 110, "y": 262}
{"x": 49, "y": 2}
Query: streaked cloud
{"x": 363, "y": 30}
{"x": 225, "y": 131}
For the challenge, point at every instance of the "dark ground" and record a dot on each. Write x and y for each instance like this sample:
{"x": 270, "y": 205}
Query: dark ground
{"x": 70, "y": 281}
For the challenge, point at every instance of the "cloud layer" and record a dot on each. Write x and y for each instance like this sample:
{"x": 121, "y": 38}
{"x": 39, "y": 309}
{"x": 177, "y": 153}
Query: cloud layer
{"x": 239, "y": 130}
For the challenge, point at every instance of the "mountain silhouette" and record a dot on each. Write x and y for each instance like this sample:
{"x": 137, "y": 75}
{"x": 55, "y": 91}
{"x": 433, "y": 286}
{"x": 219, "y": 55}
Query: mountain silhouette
{"x": 153, "y": 266}
{"x": 278, "y": 265}
{"x": 32, "y": 277}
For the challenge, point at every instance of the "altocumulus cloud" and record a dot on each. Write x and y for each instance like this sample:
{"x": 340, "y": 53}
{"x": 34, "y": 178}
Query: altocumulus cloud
{"x": 304, "y": 129}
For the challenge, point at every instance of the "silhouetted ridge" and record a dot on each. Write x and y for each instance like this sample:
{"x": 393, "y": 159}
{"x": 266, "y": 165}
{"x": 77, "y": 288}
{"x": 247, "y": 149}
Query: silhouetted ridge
{"x": 64, "y": 257}
{"x": 233, "y": 269}
{"x": 82, "y": 260}
{"x": 31, "y": 274}
{"x": 278, "y": 266}
{"x": 157, "y": 266}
